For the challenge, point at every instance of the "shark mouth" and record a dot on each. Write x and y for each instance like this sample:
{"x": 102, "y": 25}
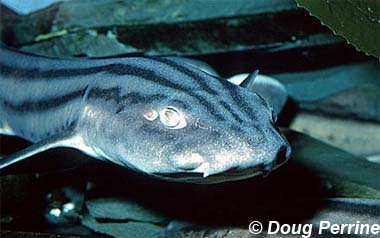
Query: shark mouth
{"x": 202, "y": 174}
{"x": 226, "y": 176}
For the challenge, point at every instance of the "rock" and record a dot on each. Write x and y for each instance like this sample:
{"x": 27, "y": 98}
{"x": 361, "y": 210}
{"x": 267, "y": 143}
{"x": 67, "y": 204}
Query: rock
{"x": 122, "y": 209}
{"x": 184, "y": 28}
{"x": 355, "y": 136}
{"x": 124, "y": 229}
{"x": 346, "y": 90}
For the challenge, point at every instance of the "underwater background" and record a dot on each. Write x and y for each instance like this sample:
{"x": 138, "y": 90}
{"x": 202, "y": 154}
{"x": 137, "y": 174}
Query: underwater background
{"x": 332, "y": 121}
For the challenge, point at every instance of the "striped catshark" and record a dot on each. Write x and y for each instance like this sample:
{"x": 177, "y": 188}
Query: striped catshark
{"x": 154, "y": 115}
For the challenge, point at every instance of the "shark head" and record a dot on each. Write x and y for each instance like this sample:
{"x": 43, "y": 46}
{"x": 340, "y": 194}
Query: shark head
{"x": 207, "y": 130}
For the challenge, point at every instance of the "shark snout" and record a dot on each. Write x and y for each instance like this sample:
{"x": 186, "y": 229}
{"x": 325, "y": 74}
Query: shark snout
{"x": 237, "y": 158}
{"x": 276, "y": 160}
{"x": 283, "y": 154}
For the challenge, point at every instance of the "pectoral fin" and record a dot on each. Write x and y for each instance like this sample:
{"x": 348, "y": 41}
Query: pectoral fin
{"x": 62, "y": 140}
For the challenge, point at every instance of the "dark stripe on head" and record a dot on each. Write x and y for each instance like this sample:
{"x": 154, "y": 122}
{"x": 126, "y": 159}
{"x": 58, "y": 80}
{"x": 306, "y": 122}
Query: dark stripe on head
{"x": 113, "y": 69}
{"x": 179, "y": 103}
{"x": 229, "y": 109}
{"x": 238, "y": 99}
{"x": 35, "y": 73}
{"x": 197, "y": 78}
{"x": 114, "y": 94}
{"x": 111, "y": 94}
{"x": 209, "y": 106}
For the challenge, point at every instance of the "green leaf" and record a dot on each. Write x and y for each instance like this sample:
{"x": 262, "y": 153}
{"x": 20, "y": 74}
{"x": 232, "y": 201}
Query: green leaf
{"x": 357, "y": 21}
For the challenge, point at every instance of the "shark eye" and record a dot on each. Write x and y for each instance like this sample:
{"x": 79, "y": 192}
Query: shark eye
{"x": 172, "y": 118}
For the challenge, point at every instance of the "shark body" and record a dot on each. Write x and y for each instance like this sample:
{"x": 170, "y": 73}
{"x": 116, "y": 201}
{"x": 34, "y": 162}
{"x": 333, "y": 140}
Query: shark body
{"x": 157, "y": 116}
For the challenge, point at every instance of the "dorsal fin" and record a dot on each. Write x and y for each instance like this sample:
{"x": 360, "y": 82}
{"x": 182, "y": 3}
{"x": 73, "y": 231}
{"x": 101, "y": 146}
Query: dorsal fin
{"x": 248, "y": 81}
{"x": 272, "y": 90}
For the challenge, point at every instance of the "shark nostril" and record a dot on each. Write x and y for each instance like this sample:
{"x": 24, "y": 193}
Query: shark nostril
{"x": 282, "y": 155}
